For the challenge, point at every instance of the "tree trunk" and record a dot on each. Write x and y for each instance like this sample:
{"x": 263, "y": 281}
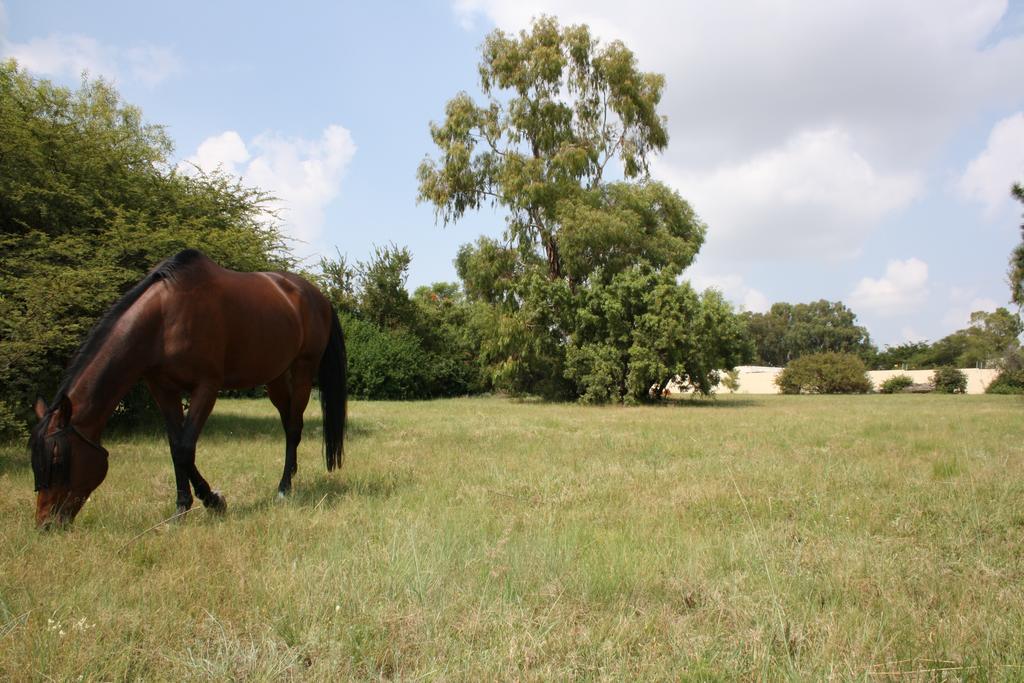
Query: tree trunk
{"x": 554, "y": 259}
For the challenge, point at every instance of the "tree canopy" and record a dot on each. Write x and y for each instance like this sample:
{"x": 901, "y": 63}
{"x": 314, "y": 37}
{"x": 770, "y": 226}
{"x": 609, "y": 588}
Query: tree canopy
{"x": 558, "y": 109}
{"x": 1017, "y": 258}
{"x": 989, "y": 340}
{"x": 89, "y": 201}
{"x": 788, "y": 331}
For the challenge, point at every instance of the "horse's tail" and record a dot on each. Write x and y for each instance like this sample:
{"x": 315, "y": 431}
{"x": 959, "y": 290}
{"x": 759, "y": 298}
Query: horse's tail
{"x": 334, "y": 394}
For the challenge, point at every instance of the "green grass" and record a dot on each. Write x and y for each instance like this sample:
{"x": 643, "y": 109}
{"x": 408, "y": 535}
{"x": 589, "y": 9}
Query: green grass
{"x": 749, "y": 537}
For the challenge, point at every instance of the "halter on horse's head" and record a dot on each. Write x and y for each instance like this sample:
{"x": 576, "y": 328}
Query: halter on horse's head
{"x": 67, "y": 465}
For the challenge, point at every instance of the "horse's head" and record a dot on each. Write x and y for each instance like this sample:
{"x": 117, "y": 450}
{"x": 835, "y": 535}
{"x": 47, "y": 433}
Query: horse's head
{"x": 67, "y": 465}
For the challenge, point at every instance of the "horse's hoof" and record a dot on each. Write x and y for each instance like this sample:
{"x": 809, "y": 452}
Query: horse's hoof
{"x": 179, "y": 512}
{"x": 215, "y": 502}
{"x": 281, "y": 497}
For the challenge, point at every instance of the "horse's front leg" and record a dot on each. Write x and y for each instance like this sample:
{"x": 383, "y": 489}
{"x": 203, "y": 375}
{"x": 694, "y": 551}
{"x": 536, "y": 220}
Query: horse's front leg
{"x": 168, "y": 399}
{"x": 200, "y": 406}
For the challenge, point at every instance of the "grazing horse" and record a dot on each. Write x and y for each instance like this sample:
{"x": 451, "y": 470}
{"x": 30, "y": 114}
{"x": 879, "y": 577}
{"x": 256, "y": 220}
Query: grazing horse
{"x": 191, "y": 328}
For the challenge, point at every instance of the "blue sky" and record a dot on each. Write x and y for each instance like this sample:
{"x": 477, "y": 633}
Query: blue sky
{"x": 859, "y": 151}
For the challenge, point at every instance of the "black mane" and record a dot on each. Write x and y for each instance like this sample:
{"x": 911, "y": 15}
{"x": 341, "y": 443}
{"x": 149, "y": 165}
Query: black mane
{"x": 165, "y": 270}
{"x": 46, "y": 470}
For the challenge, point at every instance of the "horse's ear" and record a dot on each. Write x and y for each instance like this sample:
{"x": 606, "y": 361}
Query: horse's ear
{"x": 63, "y": 412}
{"x": 40, "y": 407}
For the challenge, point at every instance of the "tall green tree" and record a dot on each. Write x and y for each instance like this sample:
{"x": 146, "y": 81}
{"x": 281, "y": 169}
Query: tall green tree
{"x": 1017, "y": 258}
{"x": 788, "y": 331}
{"x": 558, "y": 109}
{"x": 383, "y": 297}
{"x": 989, "y": 339}
{"x": 337, "y": 280}
{"x": 89, "y": 201}
{"x": 560, "y": 113}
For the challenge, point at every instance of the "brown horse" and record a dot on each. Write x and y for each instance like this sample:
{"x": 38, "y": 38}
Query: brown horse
{"x": 191, "y": 328}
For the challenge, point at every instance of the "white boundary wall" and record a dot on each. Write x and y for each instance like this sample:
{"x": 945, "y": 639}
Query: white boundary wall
{"x": 756, "y": 379}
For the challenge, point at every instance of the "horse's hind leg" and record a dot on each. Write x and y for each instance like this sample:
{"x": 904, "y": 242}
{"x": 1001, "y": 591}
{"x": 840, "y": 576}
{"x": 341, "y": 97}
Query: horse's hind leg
{"x": 280, "y": 393}
{"x": 290, "y": 394}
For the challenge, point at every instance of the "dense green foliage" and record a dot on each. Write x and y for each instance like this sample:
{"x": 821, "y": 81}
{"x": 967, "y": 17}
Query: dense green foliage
{"x": 988, "y": 341}
{"x": 1017, "y": 257}
{"x": 949, "y": 380}
{"x": 89, "y": 202}
{"x": 906, "y": 356}
{"x": 1009, "y": 381}
{"x": 825, "y": 373}
{"x": 896, "y": 384}
{"x": 641, "y": 329}
{"x": 393, "y": 365}
{"x": 401, "y": 347}
{"x": 582, "y": 299}
{"x": 789, "y": 331}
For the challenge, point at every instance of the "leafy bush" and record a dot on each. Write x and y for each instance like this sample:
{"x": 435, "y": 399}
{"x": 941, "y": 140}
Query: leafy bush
{"x": 599, "y": 370}
{"x": 1007, "y": 382}
{"x": 949, "y": 380}
{"x": 393, "y": 365}
{"x": 825, "y": 373}
{"x": 640, "y": 329}
{"x": 896, "y": 384}
{"x": 382, "y": 364}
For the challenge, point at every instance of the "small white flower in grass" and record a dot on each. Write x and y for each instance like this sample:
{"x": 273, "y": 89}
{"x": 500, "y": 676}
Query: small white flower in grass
{"x": 82, "y": 625}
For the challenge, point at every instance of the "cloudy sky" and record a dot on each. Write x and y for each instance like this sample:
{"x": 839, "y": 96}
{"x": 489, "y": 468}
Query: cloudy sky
{"x": 858, "y": 150}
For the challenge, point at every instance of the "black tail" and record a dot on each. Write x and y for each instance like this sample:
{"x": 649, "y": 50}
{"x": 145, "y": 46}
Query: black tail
{"x": 334, "y": 394}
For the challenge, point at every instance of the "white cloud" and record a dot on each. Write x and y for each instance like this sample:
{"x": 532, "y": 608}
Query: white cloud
{"x": 801, "y": 125}
{"x": 225, "y": 152}
{"x": 68, "y": 55}
{"x": 63, "y": 55}
{"x": 903, "y": 288}
{"x": 466, "y": 11}
{"x": 813, "y": 196}
{"x": 304, "y": 175}
{"x": 742, "y": 77}
{"x": 151, "y": 64}
{"x": 734, "y": 289}
{"x": 963, "y": 302}
{"x": 987, "y": 178}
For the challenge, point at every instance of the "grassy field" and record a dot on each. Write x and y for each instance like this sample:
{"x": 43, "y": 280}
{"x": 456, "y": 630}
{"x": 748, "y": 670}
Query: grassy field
{"x": 867, "y": 537}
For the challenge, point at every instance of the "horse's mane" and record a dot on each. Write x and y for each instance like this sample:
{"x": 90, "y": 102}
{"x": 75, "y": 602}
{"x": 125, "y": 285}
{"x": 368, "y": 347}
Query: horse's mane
{"x": 165, "y": 270}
